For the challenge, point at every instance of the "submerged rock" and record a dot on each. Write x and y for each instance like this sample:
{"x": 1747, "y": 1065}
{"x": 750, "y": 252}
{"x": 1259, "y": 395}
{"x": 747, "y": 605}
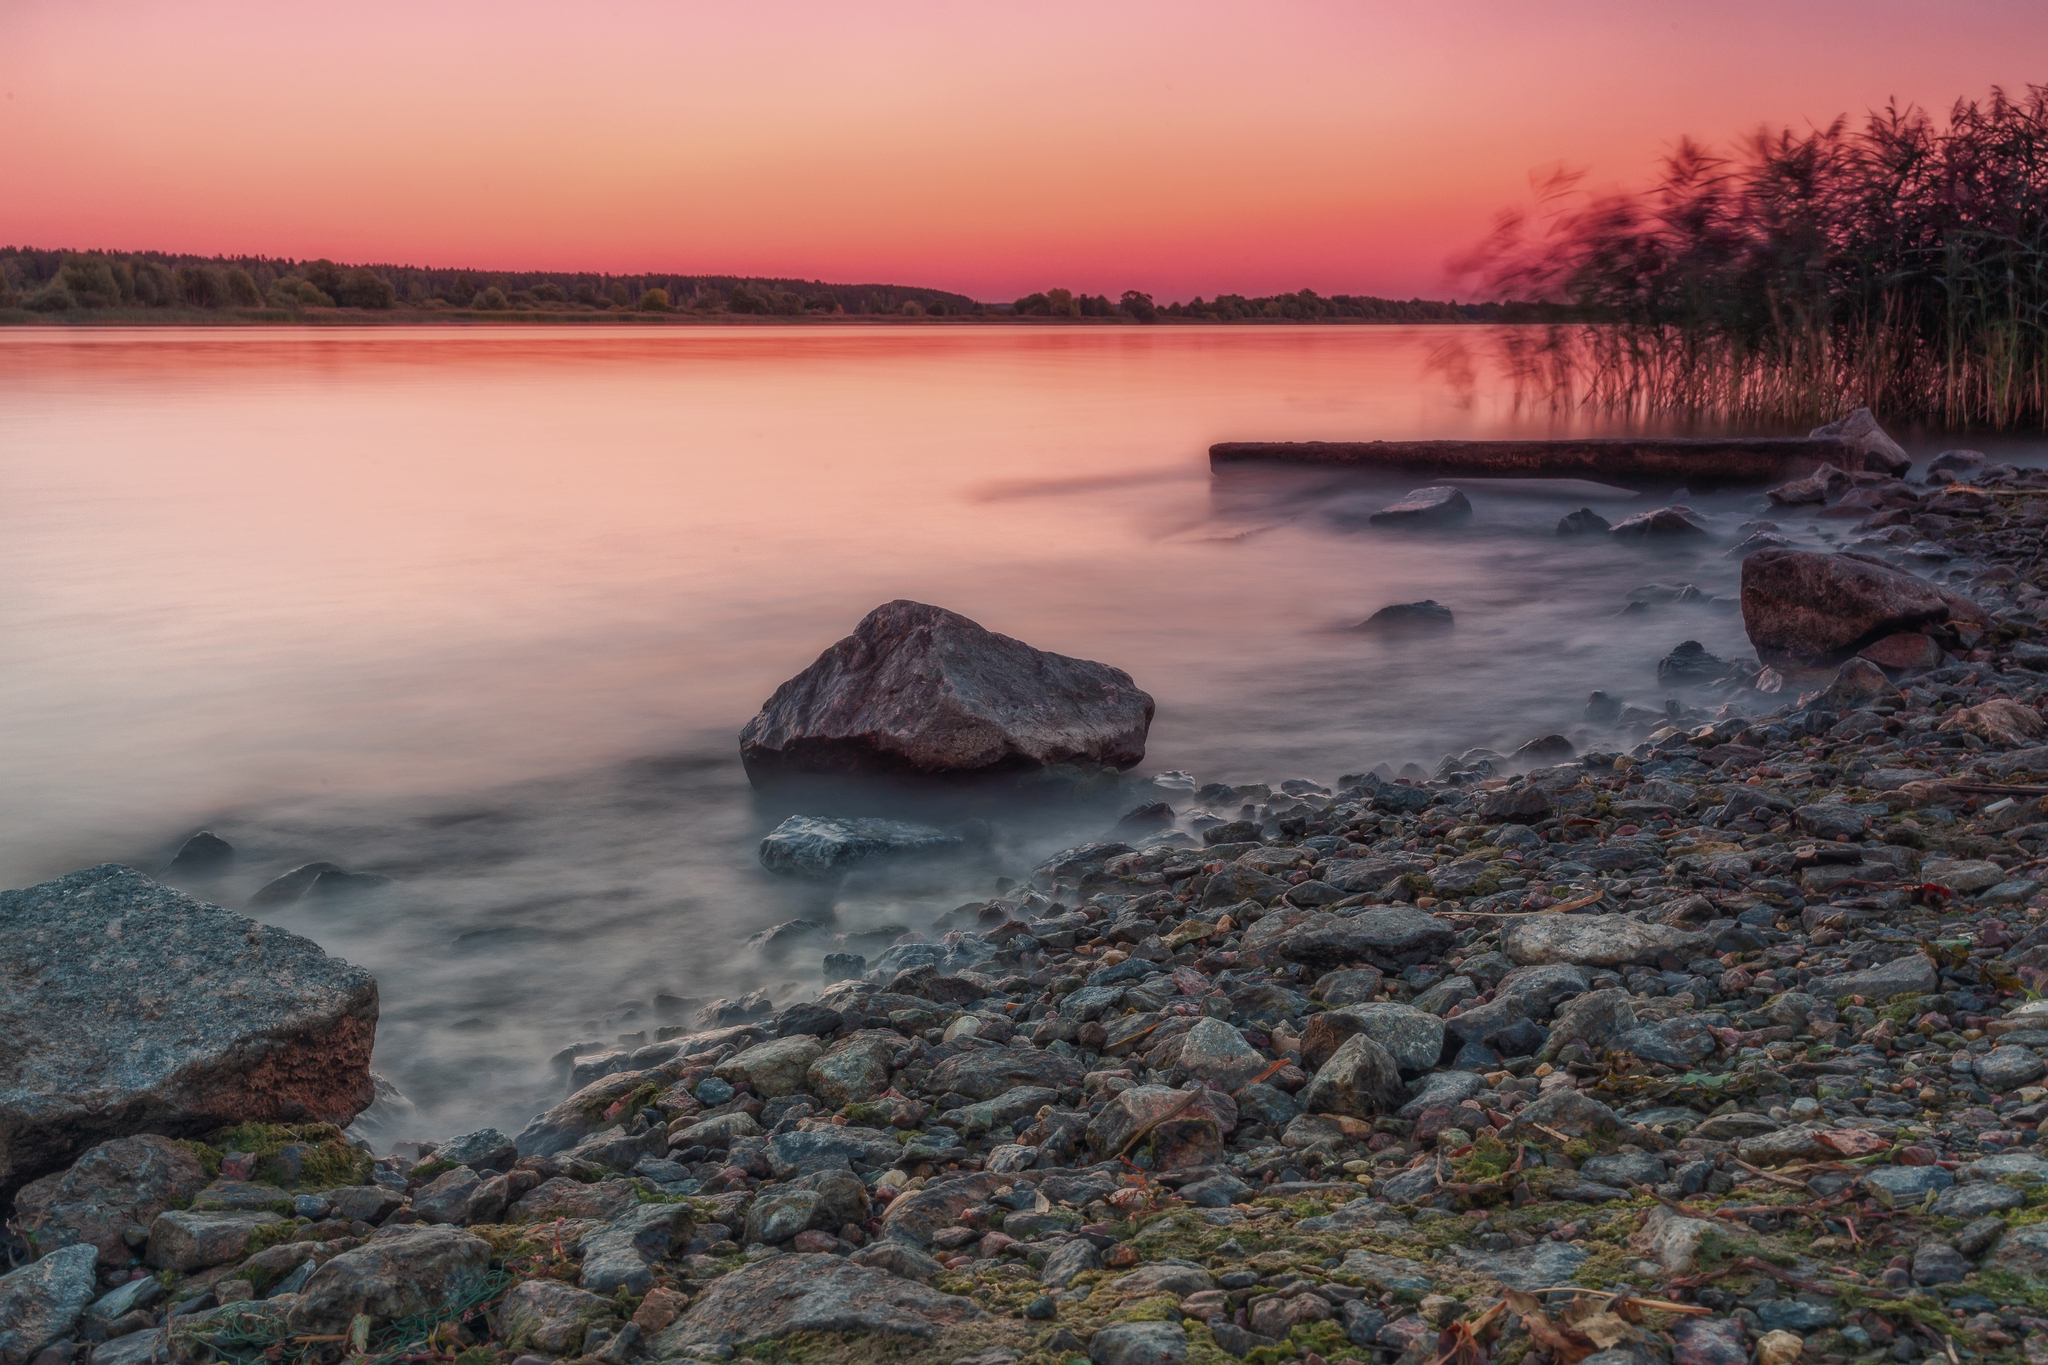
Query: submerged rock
{"x": 202, "y": 1018}
{"x": 205, "y": 854}
{"x": 917, "y": 690}
{"x": 1660, "y": 524}
{"x": 1438, "y": 506}
{"x": 820, "y": 847}
{"x": 288, "y": 889}
{"x": 1408, "y": 616}
{"x": 1690, "y": 664}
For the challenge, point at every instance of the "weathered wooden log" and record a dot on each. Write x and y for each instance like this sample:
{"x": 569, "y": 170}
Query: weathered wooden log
{"x": 1629, "y": 461}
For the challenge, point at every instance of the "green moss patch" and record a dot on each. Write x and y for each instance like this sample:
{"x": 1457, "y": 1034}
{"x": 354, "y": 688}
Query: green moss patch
{"x": 313, "y": 1156}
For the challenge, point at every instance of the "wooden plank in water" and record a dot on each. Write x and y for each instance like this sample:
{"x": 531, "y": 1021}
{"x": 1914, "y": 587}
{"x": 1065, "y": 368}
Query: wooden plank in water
{"x": 1691, "y": 461}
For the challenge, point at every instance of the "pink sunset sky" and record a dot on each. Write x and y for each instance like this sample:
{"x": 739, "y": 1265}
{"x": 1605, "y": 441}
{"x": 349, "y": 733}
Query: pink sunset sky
{"x": 1180, "y": 148}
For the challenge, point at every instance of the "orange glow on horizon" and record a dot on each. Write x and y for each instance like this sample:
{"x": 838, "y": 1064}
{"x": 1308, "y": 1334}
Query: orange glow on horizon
{"x": 1197, "y": 147}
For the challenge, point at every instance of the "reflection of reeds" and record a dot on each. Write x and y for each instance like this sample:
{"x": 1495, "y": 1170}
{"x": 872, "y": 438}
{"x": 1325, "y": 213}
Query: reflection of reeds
{"x": 1902, "y": 265}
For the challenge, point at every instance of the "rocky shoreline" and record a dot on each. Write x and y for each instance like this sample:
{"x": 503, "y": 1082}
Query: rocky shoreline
{"x": 1725, "y": 1046}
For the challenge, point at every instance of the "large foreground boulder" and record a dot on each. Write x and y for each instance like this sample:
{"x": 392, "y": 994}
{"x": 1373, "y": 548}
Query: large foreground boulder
{"x": 128, "y": 1007}
{"x": 808, "y": 1293}
{"x": 1811, "y": 609}
{"x": 921, "y": 691}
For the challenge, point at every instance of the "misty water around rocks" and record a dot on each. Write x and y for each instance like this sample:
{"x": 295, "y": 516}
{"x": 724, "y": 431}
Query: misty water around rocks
{"x": 483, "y": 613}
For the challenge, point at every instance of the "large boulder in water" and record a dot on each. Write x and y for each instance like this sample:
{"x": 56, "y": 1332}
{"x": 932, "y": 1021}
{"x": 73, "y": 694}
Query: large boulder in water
{"x": 922, "y": 691}
{"x": 128, "y": 1007}
{"x": 1812, "y": 609}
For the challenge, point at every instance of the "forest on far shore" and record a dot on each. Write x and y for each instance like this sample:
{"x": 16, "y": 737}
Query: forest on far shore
{"x": 116, "y": 286}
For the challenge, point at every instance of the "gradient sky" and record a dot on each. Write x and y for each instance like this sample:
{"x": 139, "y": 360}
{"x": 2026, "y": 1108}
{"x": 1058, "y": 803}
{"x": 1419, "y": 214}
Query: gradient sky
{"x": 1181, "y": 148}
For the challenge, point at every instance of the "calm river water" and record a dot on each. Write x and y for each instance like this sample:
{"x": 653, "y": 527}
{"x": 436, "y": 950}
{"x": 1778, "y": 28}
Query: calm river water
{"x": 483, "y": 611}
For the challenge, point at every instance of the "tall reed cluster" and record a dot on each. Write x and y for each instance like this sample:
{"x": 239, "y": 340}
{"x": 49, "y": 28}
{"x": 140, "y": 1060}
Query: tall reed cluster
{"x": 1901, "y": 265}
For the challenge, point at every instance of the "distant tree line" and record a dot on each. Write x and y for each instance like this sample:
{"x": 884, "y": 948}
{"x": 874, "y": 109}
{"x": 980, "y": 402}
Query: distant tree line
{"x": 85, "y": 281}
{"x": 61, "y": 281}
{"x": 1306, "y": 306}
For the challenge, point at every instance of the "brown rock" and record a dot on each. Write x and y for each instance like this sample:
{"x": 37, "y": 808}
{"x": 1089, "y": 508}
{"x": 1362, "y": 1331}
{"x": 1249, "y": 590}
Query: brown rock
{"x": 1811, "y": 609}
{"x": 1515, "y": 806}
{"x": 1276, "y": 1316}
{"x": 919, "y": 690}
{"x": 661, "y": 1307}
{"x": 1186, "y": 1127}
{"x": 914, "y": 1217}
{"x": 181, "y": 1240}
{"x": 1906, "y": 652}
{"x": 1325, "y": 1033}
{"x": 562, "y": 1197}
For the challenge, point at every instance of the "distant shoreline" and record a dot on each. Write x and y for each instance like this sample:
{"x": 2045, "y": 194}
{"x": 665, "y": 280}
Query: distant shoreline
{"x": 419, "y": 317}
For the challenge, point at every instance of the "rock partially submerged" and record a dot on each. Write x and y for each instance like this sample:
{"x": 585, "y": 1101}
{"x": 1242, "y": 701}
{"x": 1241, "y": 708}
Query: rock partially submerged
{"x": 920, "y": 691}
{"x": 1408, "y": 616}
{"x": 1875, "y": 451}
{"x": 134, "y": 1008}
{"x": 1660, "y": 524}
{"x": 1440, "y": 506}
{"x": 819, "y": 847}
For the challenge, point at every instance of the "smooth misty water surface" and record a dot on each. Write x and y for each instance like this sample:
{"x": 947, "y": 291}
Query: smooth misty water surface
{"x": 484, "y": 611}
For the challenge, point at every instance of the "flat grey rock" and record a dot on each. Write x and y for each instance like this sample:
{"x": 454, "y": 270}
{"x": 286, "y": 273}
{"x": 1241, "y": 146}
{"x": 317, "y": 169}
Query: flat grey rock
{"x": 808, "y": 1293}
{"x": 1599, "y": 941}
{"x": 1436, "y": 506}
{"x": 1538, "y": 1267}
{"x": 1897, "y": 1185}
{"x": 1977, "y": 1200}
{"x": 819, "y": 847}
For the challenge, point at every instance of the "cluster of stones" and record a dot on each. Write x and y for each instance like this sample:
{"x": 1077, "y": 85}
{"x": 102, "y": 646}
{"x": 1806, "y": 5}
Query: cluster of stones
{"x": 1725, "y": 1047}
